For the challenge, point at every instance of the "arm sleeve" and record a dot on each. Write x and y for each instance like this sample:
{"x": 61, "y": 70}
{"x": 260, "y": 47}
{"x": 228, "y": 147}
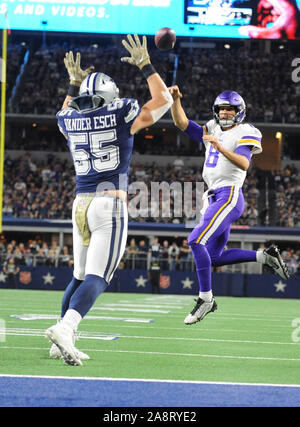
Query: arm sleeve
{"x": 244, "y": 150}
{"x": 195, "y": 131}
{"x": 253, "y": 139}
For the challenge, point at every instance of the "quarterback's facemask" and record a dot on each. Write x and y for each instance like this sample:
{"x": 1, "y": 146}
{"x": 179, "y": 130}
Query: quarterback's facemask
{"x": 232, "y": 99}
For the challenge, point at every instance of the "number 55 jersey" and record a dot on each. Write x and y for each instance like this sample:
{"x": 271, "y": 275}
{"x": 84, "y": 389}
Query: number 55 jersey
{"x": 218, "y": 171}
{"x": 101, "y": 144}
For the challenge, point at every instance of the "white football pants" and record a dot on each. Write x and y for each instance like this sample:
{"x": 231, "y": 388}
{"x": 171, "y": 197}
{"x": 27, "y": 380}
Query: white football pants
{"x": 108, "y": 223}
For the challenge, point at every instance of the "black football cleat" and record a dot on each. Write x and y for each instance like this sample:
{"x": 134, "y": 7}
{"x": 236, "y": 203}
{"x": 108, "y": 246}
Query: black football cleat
{"x": 275, "y": 261}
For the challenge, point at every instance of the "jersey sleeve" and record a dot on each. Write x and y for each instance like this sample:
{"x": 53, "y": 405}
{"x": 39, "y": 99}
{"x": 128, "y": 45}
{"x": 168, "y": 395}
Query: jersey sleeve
{"x": 244, "y": 150}
{"x": 60, "y": 115}
{"x": 252, "y": 138}
{"x": 131, "y": 110}
{"x": 195, "y": 131}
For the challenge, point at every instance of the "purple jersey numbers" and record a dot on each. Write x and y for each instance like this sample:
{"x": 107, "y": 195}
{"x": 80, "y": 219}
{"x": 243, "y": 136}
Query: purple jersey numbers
{"x": 212, "y": 158}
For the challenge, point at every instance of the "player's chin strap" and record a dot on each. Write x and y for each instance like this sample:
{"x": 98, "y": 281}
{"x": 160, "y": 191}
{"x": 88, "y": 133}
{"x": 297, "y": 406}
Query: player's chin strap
{"x": 86, "y": 103}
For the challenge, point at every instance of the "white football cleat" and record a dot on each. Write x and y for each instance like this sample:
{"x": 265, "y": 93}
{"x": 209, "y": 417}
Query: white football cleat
{"x": 56, "y": 354}
{"x": 62, "y": 336}
{"x": 200, "y": 310}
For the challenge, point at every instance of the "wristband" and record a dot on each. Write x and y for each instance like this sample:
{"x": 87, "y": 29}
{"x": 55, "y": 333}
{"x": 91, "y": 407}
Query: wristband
{"x": 148, "y": 70}
{"x": 73, "y": 90}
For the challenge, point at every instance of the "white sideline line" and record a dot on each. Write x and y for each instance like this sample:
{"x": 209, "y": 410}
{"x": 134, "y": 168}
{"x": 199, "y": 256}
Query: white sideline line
{"x": 34, "y": 317}
{"x": 220, "y": 316}
{"x": 151, "y": 380}
{"x": 107, "y": 336}
{"x": 212, "y": 340}
{"x": 137, "y": 310}
{"x": 132, "y": 305}
{"x": 232, "y": 316}
{"x": 41, "y": 333}
{"x": 157, "y": 353}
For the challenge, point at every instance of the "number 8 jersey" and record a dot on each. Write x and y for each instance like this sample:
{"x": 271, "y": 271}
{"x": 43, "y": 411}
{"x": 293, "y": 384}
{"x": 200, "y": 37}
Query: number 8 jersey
{"x": 101, "y": 144}
{"x": 218, "y": 171}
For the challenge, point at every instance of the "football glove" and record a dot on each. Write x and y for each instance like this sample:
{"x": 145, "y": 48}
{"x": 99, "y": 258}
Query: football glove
{"x": 139, "y": 53}
{"x": 76, "y": 74}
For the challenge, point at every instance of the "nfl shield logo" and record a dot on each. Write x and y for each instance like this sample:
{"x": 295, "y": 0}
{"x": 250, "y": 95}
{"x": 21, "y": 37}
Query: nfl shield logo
{"x": 164, "y": 282}
{"x": 25, "y": 277}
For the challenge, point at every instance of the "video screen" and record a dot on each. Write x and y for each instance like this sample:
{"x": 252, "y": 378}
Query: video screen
{"x": 268, "y": 19}
{"x": 217, "y": 12}
{"x": 265, "y": 19}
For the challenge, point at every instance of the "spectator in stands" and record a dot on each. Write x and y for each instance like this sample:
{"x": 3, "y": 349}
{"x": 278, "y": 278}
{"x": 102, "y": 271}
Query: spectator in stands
{"x": 51, "y": 258}
{"x": 9, "y": 252}
{"x": 142, "y": 251}
{"x": 65, "y": 258}
{"x": 131, "y": 254}
{"x": 18, "y": 256}
{"x": 56, "y": 248}
{"x": 45, "y": 248}
{"x": 154, "y": 275}
{"x": 178, "y": 163}
{"x": 185, "y": 256}
{"x": 2, "y": 252}
{"x": 34, "y": 247}
{"x": 40, "y": 258}
{"x": 173, "y": 256}
{"x": 165, "y": 255}
{"x": 8, "y": 209}
{"x": 155, "y": 250}
{"x": 11, "y": 269}
{"x": 29, "y": 258}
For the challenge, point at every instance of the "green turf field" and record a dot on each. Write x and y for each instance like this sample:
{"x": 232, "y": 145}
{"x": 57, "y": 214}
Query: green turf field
{"x": 245, "y": 340}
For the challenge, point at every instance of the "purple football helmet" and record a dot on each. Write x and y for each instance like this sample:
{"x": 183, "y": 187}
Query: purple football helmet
{"x": 231, "y": 98}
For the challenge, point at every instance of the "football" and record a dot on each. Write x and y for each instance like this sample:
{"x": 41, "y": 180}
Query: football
{"x": 165, "y": 38}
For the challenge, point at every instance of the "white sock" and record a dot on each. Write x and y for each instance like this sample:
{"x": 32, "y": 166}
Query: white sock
{"x": 261, "y": 257}
{"x": 206, "y": 296}
{"x": 72, "y": 319}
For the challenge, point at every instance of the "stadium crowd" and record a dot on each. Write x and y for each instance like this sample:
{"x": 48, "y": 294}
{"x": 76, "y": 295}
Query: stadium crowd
{"x": 272, "y": 99}
{"x": 286, "y": 186}
{"x": 35, "y": 252}
{"x": 46, "y": 190}
{"x": 173, "y": 254}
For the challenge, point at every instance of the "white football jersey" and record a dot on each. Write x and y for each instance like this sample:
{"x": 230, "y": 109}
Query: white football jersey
{"x": 218, "y": 171}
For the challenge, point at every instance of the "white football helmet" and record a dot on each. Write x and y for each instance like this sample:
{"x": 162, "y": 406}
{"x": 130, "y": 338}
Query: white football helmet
{"x": 100, "y": 84}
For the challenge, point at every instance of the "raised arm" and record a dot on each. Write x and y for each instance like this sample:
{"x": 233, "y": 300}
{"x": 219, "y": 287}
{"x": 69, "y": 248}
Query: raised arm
{"x": 178, "y": 114}
{"x": 161, "y": 100}
{"x": 76, "y": 75}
